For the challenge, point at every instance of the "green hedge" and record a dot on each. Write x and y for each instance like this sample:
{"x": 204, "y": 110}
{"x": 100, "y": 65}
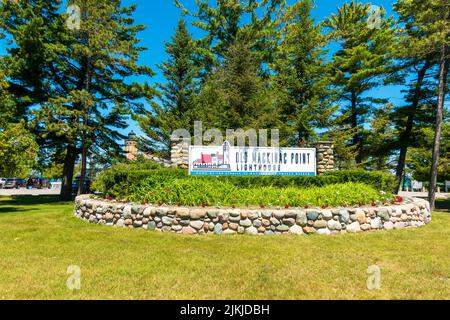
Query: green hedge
{"x": 219, "y": 192}
{"x": 122, "y": 180}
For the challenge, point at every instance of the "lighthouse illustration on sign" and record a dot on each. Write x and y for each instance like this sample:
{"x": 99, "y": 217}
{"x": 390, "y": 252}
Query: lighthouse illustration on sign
{"x": 214, "y": 161}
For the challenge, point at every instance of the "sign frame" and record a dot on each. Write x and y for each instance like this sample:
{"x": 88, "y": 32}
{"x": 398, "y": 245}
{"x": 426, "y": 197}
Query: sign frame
{"x": 274, "y": 150}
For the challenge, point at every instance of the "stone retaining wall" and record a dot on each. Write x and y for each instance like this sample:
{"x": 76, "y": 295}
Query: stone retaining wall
{"x": 412, "y": 213}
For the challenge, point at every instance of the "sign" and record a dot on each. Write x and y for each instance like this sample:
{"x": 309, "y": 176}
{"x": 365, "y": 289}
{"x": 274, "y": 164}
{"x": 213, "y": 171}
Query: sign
{"x": 260, "y": 161}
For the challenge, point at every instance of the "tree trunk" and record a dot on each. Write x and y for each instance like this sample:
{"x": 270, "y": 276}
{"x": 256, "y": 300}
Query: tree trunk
{"x": 68, "y": 170}
{"x": 82, "y": 186}
{"x": 354, "y": 122}
{"x": 406, "y": 136}
{"x": 443, "y": 69}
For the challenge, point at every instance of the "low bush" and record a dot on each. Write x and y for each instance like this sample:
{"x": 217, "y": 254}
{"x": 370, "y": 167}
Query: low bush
{"x": 122, "y": 180}
{"x": 218, "y": 192}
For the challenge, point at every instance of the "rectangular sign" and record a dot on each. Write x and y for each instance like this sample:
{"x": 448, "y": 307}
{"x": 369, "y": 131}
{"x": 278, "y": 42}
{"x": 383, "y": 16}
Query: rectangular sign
{"x": 229, "y": 160}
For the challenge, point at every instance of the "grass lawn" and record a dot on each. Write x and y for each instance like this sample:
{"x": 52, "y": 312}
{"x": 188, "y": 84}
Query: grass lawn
{"x": 39, "y": 239}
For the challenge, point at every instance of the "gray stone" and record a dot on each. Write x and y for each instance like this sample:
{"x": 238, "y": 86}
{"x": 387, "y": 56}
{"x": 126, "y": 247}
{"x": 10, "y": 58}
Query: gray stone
{"x": 241, "y": 230}
{"x": 161, "y": 211}
{"x": 334, "y": 225}
{"x": 266, "y": 214}
{"x": 147, "y": 212}
{"x": 252, "y": 215}
{"x": 235, "y": 213}
{"x": 120, "y": 223}
{"x": 383, "y": 214}
{"x": 353, "y": 227}
{"x": 229, "y": 231}
{"x": 218, "y": 229}
{"x": 235, "y": 219}
{"x": 151, "y": 225}
{"x": 312, "y": 214}
{"x": 274, "y": 221}
{"x": 282, "y": 228}
{"x": 257, "y": 223}
{"x": 184, "y": 223}
{"x": 269, "y": 233}
{"x": 137, "y": 223}
{"x": 245, "y": 223}
{"x": 251, "y": 230}
{"x": 212, "y": 213}
{"x": 327, "y": 214}
{"x": 197, "y": 214}
{"x": 295, "y": 229}
{"x": 291, "y": 214}
{"x": 318, "y": 224}
{"x": 365, "y": 227}
{"x": 135, "y": 209}
{"x": 127, "y": 212}
{"x": 302, "y": 220}
{"x": 324, "y": 231}
{"x": 279, "y": 214}
{"x": 388, "y": 225}
{"x": 177, "y": 228}
{"x": 183, "y": 213}
{"x": 376, "y": 223}
{"x": 167, "y": 221}
{"x": 344, "y": 216}
{"x": 289, "y": 221}
{"x": 197, "y": 224}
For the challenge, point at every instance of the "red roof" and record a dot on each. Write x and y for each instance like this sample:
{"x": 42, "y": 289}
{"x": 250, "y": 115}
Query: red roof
{"x": 207, "y": 158}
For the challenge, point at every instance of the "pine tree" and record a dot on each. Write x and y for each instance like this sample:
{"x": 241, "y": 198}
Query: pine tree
{"x": 177, "y": 95}
{"x": 79, "y": 74}
{"x": 364, "y": 61}
{"x": 302, "y": 77}
{"x": 239, "y": 98}
{"x": 381, "y": 139}
{"x": 430, "y": 19}
{"x": 226, "y": 21}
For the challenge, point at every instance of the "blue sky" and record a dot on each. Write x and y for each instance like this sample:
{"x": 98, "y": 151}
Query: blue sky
{"x": 161, "y": 16}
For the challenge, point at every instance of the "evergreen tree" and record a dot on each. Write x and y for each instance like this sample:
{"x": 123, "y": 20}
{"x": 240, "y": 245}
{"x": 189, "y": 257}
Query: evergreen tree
{"x": 79, "y": 74}
{"x": 176, "y": 110}
{"x": 238, "y": 96}
{"x": 381, "y": 139}
{"x": 225, "y": 21}
{"x": 302, "y": 77}
{"x": 364, "y": 61}
{"x": 430, "y": 19}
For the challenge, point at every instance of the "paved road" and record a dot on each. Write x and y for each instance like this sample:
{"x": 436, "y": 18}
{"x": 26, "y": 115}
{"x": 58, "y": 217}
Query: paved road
{"x": 26, "y": 192}
{"x": 425, "y": 195}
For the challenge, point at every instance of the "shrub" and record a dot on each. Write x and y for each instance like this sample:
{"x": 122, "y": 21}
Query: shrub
{"x": 122, "y": 180}
{"x": 218, "y": 192}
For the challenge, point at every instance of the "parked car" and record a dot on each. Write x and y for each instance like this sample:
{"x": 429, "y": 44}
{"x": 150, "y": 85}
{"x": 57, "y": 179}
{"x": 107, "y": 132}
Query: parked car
{"x": 14, "y": 183}
{"x": 39, "y": 183}
{"x": 2, "y": 182}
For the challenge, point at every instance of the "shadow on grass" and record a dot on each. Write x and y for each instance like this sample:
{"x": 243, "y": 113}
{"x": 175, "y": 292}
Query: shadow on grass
{"x": 443, "y": 205}
{"x": 28, "y": 200}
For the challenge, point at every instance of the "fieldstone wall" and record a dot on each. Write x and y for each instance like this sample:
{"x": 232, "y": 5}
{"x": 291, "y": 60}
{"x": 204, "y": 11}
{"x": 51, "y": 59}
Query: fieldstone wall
{"x": 325, "y": 156}
{"x": 183, "y": 220}
{"x": 179, "y": 153}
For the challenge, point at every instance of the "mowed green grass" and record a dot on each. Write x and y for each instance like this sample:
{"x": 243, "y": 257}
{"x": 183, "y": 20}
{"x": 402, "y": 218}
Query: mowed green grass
{"x": 38, "y": 241}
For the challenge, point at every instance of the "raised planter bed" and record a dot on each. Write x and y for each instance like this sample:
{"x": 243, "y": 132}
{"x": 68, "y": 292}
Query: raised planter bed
{"x": 413, "y": 212}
